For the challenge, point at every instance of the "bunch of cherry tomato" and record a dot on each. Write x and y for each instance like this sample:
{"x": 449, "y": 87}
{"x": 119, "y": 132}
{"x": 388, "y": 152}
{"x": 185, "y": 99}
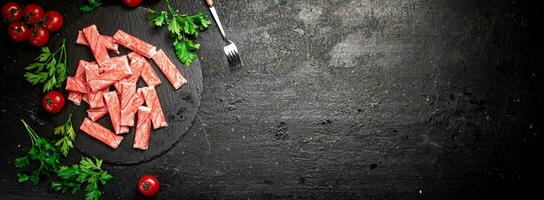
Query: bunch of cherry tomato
{"x": 30, "y": 23}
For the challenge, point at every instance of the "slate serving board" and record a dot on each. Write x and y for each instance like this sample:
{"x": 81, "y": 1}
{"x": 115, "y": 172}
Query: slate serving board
{"x": 180, "y": 106}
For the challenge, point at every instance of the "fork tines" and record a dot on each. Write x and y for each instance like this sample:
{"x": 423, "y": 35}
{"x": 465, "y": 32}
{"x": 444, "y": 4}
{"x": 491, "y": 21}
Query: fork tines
{"x": 233, "y": 56}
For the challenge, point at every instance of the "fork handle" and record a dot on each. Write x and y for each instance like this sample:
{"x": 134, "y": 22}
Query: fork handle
{"x": 209, "y": 2}
{"x": 216, "y": 19}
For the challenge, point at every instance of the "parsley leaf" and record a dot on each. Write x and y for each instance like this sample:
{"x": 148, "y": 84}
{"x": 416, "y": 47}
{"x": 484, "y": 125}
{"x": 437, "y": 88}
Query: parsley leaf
{"x": 189, "y": 27}
{"x": 184, "y": 50}
{"x": 87, "y": 172}
{"x": 174, "y": 26}
{"x": 43, "y": 152}
{"x": 182, "y": 28}
{"x": 49, "y": 68}
{"x": 90, "y": 6}
{"x": 157, "y": 18}
{"x": 201, "y": 21}
{"x": 22, "y": 162}
{"x": 68, "y": 134}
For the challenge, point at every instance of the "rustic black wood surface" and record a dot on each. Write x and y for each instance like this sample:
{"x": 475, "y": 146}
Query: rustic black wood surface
{"x": 179, "y": 106}
{"x": 347, "y": 99}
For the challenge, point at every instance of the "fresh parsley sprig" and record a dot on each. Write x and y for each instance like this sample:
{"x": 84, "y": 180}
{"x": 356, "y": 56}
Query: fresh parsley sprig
{"x": 68, "y": 135}
{"x": 90, "y": 6}
{"x": 50, "y": 68}
{"x": 43, "y": 152}
{"x": 182, "y": 29}
{"x": 87, "y": 172}
{"x": 71, "y": 178}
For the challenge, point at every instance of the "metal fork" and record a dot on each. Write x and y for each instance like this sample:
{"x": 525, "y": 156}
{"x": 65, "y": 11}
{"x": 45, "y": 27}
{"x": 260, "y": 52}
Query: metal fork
{"x": 232, "y": 53}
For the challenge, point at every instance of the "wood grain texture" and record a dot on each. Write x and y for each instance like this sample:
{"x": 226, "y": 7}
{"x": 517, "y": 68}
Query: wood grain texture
{"x": 179, "y": 106}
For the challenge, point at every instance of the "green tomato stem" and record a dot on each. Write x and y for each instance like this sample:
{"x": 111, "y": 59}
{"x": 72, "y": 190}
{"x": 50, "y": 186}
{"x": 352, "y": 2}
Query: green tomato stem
{"x": 145, "y": 185}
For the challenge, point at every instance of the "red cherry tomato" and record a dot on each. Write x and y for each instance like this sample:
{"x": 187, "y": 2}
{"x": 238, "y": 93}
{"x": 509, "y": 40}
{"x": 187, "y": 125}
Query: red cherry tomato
{"x": 132, "y": 3}
{"x": 53, "y": 101}
{"x": 38, "y": 36}
{"x": 12, "y": 12}
{"x": 18, "y": 32}
{"x": 148, "y": 185}
{"x": 33, "y": 13}
{"x": 53, "y": 21}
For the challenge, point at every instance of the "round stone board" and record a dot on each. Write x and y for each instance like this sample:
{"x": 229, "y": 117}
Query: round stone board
{"x": 180, "y": 106}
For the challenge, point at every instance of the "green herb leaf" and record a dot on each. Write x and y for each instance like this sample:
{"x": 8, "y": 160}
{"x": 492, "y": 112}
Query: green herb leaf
{"x": 36, "y": 78}
{"x": 41, "y": 152}
{"x": 35, "y": 66}
{"x": 185, "y": 50}
{"x": 50, "y": 84}
{"x": 157, "y": 18}
{"x": 90, "y": 6}
{"x": 189, "y": 26}
{"x": 56, "y": 185}
{"x": 35, "y": 177}
{"x": 46, "y": 54}
{"x": 86, "y": 9}
{"x": 201, "y": 21}
{"x": 88, "y": 172}
{"x": 62, "y": 74}
{"x": 22, "y": 162}
{"x": 68, "y": 135}
{"x": 49, "y": 69}
{"x": 22, "y": 177}
{"x": 182, "y": 28}
{"x": 174, "y": 27}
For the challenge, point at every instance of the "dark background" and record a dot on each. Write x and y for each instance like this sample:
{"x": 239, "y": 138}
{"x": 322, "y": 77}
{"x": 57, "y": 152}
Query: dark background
{"x": 358, "y": 99}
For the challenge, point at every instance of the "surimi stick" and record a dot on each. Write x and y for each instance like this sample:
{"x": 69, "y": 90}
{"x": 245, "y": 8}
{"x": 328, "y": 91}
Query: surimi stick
{"x": 130, "y": 102}
{"x": 114, "y": 109}
{"x": 76, "y": 97}
{"x": 147, "y": 72}
{"x": 97, "y": 113}
{"x": 108, "y": 41}
{"x": 143, "y": 127}
{"x": 76, "y": 85}
{"x": 152, "y": 100}
{"x": 169, "y": 69}
{"x": 101, "y": 133}
{"x": 134, "y": 44}
{"x": 97, "y": 45}
{"x": 94, "y": 99}
{"x": 117, "y": 71}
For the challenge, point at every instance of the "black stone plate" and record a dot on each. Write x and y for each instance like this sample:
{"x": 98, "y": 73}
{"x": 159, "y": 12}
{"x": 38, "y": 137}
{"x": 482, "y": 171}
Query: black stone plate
{"x": 180, "y": 106}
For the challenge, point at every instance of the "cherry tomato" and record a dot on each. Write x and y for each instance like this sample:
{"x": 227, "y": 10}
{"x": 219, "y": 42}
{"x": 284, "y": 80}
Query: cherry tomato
{"x": 38, "y": 36}
{"x": 18, "y": 32}
{"x": 132, "y": 3}
{"x": 33, "y": 13}
{"x": 12, "y": 12}
{"x": 53, "y": 21}
{"x": 148, "y": 185}
{"x": 53, "y": 101}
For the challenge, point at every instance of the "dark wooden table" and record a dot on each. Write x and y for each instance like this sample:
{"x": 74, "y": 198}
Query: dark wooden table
{"x": 338, "y": 99}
